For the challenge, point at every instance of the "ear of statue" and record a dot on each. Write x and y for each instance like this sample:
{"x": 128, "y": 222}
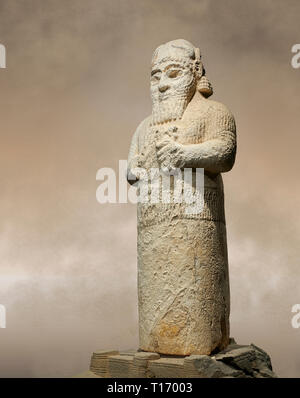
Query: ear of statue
{"x": 204, "y": 87}
{"x": 197, "y": 54}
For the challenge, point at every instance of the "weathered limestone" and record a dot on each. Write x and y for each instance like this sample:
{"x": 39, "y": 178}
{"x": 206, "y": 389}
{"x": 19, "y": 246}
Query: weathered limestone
{"x": 140, "y": 363}
{"x": 205, "y": 366}
{"x": 251, "y": 360}
{"x": 235, "y": 361}
{"x": 99, "y": 362}
{"x": 183, "y": 284}
{"x": 120, "y": 365}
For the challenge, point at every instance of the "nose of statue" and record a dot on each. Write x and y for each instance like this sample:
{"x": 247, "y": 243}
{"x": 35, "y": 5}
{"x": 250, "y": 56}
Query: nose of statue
{"x": 163, "y": 86}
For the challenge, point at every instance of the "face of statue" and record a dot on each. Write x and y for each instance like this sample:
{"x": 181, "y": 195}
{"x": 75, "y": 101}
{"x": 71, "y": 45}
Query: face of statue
{"x": 173, "y": 85}
{"x": 170, "y": 78}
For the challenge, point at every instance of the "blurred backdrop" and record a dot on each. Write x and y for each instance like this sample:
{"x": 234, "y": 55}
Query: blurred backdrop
{"x": 75, "y": 88}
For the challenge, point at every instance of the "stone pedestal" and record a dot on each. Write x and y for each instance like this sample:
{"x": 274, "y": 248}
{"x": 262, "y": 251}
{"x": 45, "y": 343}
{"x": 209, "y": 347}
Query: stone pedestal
{"x": 241, "y": 361}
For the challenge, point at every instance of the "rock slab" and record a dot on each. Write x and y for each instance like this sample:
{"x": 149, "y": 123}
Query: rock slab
{"x": 236, "y": 361}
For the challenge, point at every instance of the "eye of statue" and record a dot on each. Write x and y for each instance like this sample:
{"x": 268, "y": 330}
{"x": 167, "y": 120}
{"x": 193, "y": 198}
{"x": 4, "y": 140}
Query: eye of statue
{"x": 173, "y": 73}
{"x": 155, "y": 76}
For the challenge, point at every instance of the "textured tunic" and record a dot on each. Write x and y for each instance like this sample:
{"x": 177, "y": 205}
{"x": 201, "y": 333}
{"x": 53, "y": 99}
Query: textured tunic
{"x": 183, "y": 284}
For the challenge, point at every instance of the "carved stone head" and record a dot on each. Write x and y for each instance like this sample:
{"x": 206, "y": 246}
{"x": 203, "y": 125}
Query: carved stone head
{"x": 177, "y": 71}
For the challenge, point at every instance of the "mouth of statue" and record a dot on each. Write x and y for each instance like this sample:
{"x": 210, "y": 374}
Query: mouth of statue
{"x": 164, "y": 96}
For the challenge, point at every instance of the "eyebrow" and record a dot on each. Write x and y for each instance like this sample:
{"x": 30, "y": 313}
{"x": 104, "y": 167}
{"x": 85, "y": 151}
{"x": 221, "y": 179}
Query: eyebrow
{"x": 172, "y": 66}
{"x": 155, "y": 71}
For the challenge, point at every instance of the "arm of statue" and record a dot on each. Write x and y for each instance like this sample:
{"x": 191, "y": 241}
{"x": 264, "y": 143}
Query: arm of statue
{"x": 215, "y": 155}
{"x": 135, "y": 159}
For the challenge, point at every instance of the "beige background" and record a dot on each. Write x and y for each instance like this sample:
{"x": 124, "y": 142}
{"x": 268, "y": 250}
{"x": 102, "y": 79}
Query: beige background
{"x": 75, "y": 88}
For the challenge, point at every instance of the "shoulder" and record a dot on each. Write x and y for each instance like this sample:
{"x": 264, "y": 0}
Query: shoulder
{"x": 220, "y": 115}
{"x": 218, "y": 109}
{"x": 216, "y": 114}
{"x": 141, "y": 128}
{"x": 145, "y": 123}
{"x": 201, "y": 106}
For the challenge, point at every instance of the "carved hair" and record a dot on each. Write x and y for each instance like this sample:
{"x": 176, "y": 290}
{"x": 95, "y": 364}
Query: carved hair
{"x": 191, "y": 55}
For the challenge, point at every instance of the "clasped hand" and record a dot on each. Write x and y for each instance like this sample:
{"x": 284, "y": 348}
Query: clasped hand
{"x": 170, "y": 154}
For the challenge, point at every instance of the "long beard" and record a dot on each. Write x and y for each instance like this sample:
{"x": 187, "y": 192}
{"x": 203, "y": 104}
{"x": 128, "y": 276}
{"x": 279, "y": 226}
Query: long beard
{"x": 169, "y": 109}
{"x": 170, "y": 106}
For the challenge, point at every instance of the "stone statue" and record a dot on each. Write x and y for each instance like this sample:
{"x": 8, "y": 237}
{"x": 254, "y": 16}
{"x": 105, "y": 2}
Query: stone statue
{"x": 183, "y": 283}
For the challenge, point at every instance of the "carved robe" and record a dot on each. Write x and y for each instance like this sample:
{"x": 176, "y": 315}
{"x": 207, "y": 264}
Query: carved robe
{"x": 183, "y": 283}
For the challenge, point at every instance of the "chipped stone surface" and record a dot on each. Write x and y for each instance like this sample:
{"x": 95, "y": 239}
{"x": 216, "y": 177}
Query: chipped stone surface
{"x": 141, "y": 362}
{"x": 252, "y": 360}
{"x": 183, "y": 283}
{"x": 167, "y": 367}
{"x": 120, "y": 365}
{"x": 204, "y": 366}
{"x": 99, "y": 361}
{"x": 237, "y": 361}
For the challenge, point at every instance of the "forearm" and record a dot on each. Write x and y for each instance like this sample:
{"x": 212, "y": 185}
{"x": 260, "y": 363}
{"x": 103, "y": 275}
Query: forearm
{"x": 133, "y": 160}
{"x": 132, "y": 164}
{"x": 215, "y": 156}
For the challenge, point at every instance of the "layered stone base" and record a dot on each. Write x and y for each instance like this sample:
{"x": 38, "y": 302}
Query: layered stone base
{"x": 242, "y": 361}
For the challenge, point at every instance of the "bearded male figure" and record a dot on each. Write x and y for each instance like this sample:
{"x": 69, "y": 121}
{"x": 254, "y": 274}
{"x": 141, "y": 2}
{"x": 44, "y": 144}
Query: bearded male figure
{"x": 183, "y": 283}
